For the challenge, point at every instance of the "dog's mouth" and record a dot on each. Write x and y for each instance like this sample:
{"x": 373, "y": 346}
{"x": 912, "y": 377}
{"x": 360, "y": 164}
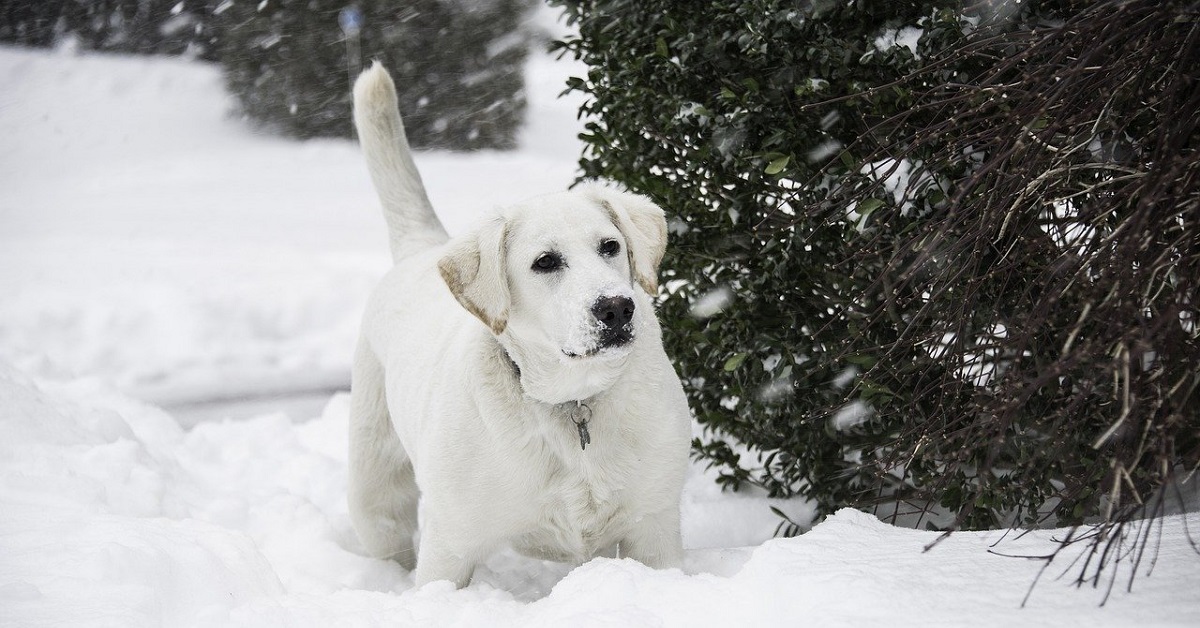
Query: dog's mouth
{"x": 609, "y": 341}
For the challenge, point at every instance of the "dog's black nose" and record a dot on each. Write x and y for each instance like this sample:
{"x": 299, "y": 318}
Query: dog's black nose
{"x": 613, "y": 312}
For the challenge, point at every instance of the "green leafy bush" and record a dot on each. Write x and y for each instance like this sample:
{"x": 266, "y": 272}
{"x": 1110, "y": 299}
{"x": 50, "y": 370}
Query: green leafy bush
{"x": 934, "y": 261}
{"x": 457, "y": 66}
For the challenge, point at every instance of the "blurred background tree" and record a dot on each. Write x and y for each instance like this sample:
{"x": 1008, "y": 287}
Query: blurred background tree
{"x": 132, "y": 26}
{"x": 458, "y": 64}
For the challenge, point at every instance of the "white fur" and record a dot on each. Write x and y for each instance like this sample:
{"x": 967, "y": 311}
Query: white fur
{"x": 468, "y": 405}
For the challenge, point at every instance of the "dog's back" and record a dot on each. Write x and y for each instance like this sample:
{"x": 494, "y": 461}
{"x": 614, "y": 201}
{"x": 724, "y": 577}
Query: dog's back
{"x": 412, "y": 224}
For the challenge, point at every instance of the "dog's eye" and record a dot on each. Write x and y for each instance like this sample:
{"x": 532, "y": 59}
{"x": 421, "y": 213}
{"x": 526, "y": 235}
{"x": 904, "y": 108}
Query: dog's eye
{"x": 609, "y": 248}
{"x": 547, "y": 262}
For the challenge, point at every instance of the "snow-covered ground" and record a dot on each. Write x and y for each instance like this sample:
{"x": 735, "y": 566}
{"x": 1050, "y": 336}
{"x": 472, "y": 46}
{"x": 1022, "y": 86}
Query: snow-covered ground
{"x": 155, "y": 252}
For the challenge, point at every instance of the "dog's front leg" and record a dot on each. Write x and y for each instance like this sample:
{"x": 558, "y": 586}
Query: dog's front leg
{"x": 655, "y": 540}
{"x": 444, "y": 555}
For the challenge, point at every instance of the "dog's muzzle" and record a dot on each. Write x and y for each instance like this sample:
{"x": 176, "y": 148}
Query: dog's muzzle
{"x": 615, "y": 315}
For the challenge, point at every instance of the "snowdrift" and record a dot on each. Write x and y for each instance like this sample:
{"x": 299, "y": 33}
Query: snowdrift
{"x": 111, "y": 514}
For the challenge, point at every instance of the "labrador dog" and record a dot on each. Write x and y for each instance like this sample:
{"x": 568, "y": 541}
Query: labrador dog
{"x": 512, "y": 379}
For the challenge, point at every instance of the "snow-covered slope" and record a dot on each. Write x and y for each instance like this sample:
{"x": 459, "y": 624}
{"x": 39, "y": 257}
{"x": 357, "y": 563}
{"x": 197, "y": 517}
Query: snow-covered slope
{"x": 155, "y": 249}
{"x": 113, "y": 515}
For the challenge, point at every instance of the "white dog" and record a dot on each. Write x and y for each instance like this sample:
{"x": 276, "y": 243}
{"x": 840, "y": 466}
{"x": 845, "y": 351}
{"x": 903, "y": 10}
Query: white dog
{"x": 513, "y": 379}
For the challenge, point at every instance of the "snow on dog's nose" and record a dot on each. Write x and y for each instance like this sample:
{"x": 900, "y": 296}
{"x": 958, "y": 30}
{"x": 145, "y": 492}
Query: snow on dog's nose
{"x": 614, "y": 315}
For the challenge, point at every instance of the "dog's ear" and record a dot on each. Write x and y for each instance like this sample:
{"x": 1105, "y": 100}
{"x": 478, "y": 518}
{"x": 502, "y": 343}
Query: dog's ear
{"x": 644, "y": 227}
{"x": 474, "y": 270}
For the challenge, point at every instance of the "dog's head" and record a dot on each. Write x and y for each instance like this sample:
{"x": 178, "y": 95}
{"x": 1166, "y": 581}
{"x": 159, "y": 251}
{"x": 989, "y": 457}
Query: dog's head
{"x": 563, "y": 282}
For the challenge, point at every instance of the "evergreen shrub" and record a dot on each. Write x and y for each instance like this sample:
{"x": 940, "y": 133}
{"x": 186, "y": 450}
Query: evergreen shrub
{"x": 170, "y": 27}
{"x": 457, "y": 65}
{"x": 935, "y": 261}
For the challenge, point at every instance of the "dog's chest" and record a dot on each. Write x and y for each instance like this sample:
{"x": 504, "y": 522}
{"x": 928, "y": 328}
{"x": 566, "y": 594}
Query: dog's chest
{"x": 582, "y": 512}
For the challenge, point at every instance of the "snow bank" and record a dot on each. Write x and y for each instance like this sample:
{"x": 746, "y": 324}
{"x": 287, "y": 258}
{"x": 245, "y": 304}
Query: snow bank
{"x": 110, "y": 514}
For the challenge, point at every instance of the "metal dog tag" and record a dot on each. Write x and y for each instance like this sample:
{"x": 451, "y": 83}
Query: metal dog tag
{"x": 580, "y": 419}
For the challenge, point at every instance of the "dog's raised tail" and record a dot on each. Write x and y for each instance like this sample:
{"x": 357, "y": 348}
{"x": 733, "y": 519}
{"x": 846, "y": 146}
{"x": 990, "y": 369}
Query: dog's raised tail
{"x": 412, "y": 224}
